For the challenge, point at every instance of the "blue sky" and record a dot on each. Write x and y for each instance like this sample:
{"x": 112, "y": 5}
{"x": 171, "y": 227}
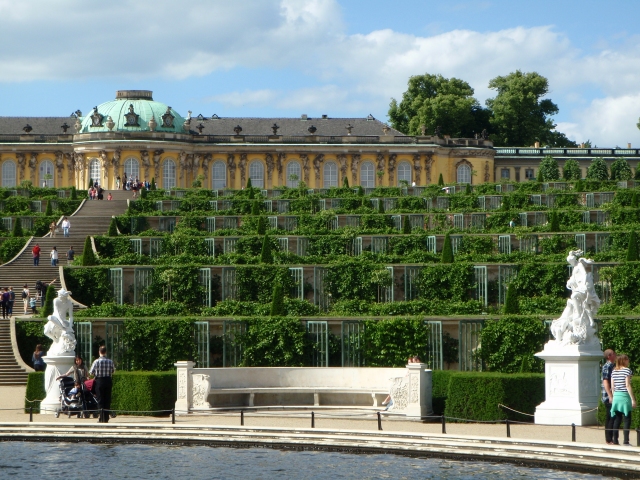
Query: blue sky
{"x": 337, "y": 57}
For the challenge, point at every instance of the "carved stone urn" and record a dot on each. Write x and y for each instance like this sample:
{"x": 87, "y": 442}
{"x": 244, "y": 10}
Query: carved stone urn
{"x": 152, "y": 124}
{"x": 110, "y": 123}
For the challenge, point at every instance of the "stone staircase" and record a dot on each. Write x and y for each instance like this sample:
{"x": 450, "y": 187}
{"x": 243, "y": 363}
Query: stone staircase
{"x": 93, "y": 218}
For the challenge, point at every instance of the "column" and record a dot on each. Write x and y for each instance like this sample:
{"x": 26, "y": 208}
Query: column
{"x": 185, "y": 391}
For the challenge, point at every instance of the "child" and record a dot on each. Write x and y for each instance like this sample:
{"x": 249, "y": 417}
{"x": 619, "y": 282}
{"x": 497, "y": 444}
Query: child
{"x": 32, "y": 304}
{"x": 73, "y": 393}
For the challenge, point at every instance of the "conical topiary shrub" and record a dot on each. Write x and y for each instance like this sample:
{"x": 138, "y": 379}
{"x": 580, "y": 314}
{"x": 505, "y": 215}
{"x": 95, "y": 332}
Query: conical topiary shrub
{"x": 266, "y": 255}
{"x": 49, "y": 210}
{"x": 88, "y": 257}
{"x": 74, "y": 193}
{"x": 360, "y": 191}
{"x": 468, "y": 190}
{"x": 255, "y": 208}
{"x": 277, "y": 300}
{"x": 48, "y": 301}
{"x": 440, "y": 181}
{"x": 262, "y": 225}
{"x": 634, "y": 200}
{"x": 345, "y": 182}
{"x": 90, "y": 182}
{"x": 554, "y": 222}
{"x": 113, "y": 228}
{"x": 511, "y": 303}
{"x": 579, "y": 186}
{"x": 152, "y": 185}
{"x": 381, "y": 205}
{"x": 447, "y": 250}
{"x": 632, "y": 248}
{"x": 249, "y": 183}
{"x": 406, "y": 225}
{"x": 17, "y": 228}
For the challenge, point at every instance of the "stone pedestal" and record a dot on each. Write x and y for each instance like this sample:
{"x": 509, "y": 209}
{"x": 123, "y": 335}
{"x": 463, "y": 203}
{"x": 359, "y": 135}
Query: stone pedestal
{"x": 419, "y": 405}
{"x": 572, "y": 384}
{"x": 56, "y": 366}
{"x": 184, "y": 400}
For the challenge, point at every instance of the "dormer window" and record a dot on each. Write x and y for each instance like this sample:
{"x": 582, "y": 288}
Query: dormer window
{"x": 131, "y": 118}
{"x": 167, "y": 119}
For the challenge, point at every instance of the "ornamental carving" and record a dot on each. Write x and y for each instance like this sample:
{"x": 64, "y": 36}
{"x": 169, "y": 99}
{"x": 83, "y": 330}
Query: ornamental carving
{"x": 96, "y": 118}
{"x": 380, "y": 162}
{"x": 59, "y": 165}
{"x": 115, "y": 160}
{"x": 471, "y": 152}
{"x": 182, "y": 160}
{"x": 200, "y": 390}
{"x": 182, "y": 384}
{"x": 231, "y": 164}
{"x": 399, "y": 393}
{"x": 79, "y": 162}
{"x": 69, "y": 160}
{"x": 33, "y": 163}
{"x": 279, "y": 164}
{"x": 428, "y": 162}
{"x": 197, "y": 160}
{"x": 317, "y": 161}
{"x": 392, "y": 168}
{"x": 415, "y": 388}
{"x": 156, "y": 160}
{"x": 561, "y": 382}
{"x": 20, "y": 157}
{"x": 355, "y": 161}
{"x": 243, "y": 169}
{"x": 206, "y": 160}
{"x": 305, "y": 166}
{"x": 132, "y": 118}
{"x": 268, "y": 159}
{"x": 167, "y": 119}
{"x": 417, "y": 168}
{"x": 487, "y": 174}
{"x": 146, "y": 163}
{"x": 104, "y": 163}
{"x": 342, "y": 160}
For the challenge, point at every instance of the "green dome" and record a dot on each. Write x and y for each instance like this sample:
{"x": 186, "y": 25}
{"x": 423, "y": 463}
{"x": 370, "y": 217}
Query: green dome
{"x": 131, "y": 111}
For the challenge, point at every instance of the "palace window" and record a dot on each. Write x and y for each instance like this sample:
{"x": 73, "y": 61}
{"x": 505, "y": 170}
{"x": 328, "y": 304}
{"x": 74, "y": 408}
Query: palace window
{"x": 219, "y": 175}
{"x": 404, "y": 172}
{"x": 293, "y": 169}
{"x": 169, "y": 174}
{"x": 132, "y": 168}
{"x": 9, "y": 174}
{"x": 367, "y": 175}
{"x": 256, "y": 174}
{"x": 94, "y": 170}
{"x": 505, "y": 174}
{"x": 529, "y": 174}
{"x": 330, "y": 175}
{"x": 46, "y": 174}
{"x": 463, "y": 173}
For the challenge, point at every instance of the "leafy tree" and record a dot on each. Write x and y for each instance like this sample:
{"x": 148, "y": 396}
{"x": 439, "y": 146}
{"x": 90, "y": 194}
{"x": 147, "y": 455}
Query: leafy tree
{"x": 447, "y": 250}
{"x": 598, "y": 170}
{"x": 266, "y": 255}
{"x": 549, "y": 169}
{"x": 17, "y": 228}
{"x": 435, "y": 101}
{"x": 580, "y": 186}
{"x": 48, "y": 301}
{"x": 636, "y": 174}
{"x": 113, "y": 228}
{"x": 620, "y": 170}
{"x": 520, "y": 116}
{"x": 406, "y": 225}
{"x": 277, "y": 302}
{"x": 571, "y": 170}
{"x": 440, "y": 181}
{"x": 511, "y": 303}
{"x": 88, "y": 257}
{"x": 274, "y": 342}
{"x": 632, "y": 249}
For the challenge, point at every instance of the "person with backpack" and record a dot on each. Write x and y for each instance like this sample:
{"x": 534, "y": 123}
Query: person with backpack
{"x": 12, "y": 299}
{"x": 36, "y": 255}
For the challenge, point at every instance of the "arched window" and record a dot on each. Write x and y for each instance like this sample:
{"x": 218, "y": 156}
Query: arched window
{"x": 464, "y": 173}
{"x": 367, "y": 175}
{"x": 46, "y": 174}
{"x": 169, "y": 174}
{"x": 9, "y": 174}
{"x": 94, "y": 170}
{"x": 132, "y": 168}
{"x": 330, "y": 175}
{"x": 219, "y": 175}
{"x": 256, "y": 174}
{"x": 404, "y": 173}
{"x": 293, "y": 174}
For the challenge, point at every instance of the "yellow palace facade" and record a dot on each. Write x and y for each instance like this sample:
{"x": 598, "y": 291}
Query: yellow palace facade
{"x": 137, "y": 137}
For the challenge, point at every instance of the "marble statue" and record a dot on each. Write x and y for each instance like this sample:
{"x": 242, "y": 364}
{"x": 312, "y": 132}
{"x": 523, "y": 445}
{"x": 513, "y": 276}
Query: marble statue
{"x": 576, "y": 324}
{"x": 58, "y": 328}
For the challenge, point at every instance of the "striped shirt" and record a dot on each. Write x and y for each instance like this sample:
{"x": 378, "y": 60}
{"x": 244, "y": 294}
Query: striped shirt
{"x": 102, "y": 367}
{"x": 618, "y": 378}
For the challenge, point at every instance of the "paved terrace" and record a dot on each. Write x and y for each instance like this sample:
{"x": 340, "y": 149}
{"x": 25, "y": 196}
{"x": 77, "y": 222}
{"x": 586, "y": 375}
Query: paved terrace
{"x": 336, "y": 429}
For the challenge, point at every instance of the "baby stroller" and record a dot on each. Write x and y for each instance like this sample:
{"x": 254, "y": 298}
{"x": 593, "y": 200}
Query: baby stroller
{"x": 82, "y": 404}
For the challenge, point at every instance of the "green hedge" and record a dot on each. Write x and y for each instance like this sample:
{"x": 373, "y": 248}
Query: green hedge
{"x": 132, "y": 392}
{"x": 475, "y": 396}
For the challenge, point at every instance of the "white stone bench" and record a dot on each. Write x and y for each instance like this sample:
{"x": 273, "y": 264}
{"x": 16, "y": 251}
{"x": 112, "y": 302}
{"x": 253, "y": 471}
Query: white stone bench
{"x": 288, "y": 386}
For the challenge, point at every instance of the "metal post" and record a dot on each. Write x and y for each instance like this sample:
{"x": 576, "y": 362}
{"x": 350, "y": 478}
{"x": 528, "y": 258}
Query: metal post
{"x": 379, "y": 421}
{"x": 242, "y": 418}
{"x": 573, "y": 432}
{"x": 637, "y": 437}
{"x": 31, "y": 414}
{"x": 508, "y": 429}
{"x": 444, "y": 425}
{"x": 101, "y": 415}
{"x": 313, "y": 420}
{"x": 173, "y": 416}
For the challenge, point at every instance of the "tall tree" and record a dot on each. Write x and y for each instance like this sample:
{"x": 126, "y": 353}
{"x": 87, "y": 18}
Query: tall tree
{"x": 598, "y": 170}
{"x": 436, "y": 101}
{"x": 620, "y": 170}
{"x": 571, "y": 170}
{"x": 549, "y": 169}
{"x": 520, "y": 116}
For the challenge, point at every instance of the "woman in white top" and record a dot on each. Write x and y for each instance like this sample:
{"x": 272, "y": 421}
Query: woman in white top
{"x": 66, "y": 225}
{"x": 54, "y": 257}
{"x": 25, "y": 298}
{"x": 623, "y": 399}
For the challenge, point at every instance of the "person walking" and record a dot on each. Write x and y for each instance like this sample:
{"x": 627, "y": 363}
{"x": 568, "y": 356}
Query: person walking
{"x": 70, "y": 255}
{"x": 52, "y": 229}
{"x": 102, "y": 369}
{"x": 25, "y": 298}
{"x": 623, "y": 399}
{"x": 5, "y": 303}
{"x": 66, "y": 225}
{"x": 54, "y": 257}
{"x": 607, "y": 394}
{"x": 12, "y": 300}
{"x": 36, "y": 255}
{"x": 118, "y": 182}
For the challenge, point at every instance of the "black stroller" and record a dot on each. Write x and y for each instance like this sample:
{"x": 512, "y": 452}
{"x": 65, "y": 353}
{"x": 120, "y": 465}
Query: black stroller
{"x": 83, "y": 404}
